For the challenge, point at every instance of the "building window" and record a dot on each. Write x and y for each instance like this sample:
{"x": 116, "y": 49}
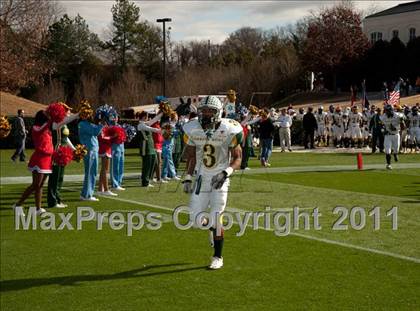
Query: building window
{"x": 375, "y": 36}
{"x": 395, "y": 34}
{"x": 412, "y": 33}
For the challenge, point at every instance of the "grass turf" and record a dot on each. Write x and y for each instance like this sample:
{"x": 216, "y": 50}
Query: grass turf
{"x": 166, "y": 269}
{"x": 133, "y": 161}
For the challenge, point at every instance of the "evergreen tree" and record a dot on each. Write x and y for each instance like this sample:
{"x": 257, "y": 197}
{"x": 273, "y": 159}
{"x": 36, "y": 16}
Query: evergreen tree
{"x": 71, "y": 48}
{"x": 125, "y": 28}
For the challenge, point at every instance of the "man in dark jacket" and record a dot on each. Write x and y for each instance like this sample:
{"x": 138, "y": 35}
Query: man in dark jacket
{"x": 19, "y": 134}
{"x": 375, "y": 127}
{"x": 266, "y": 129}
{"x": 309, "y": 128}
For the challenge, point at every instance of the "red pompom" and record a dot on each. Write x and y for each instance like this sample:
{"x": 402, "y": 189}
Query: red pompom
{"x": 57, "y": 112}
{"x": 63, "y": 155}
{"x": 107, "y": 131}
{"x": 118, "y": 134}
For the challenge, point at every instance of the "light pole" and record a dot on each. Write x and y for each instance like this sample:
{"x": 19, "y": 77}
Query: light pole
{"x": 163, "y": 21}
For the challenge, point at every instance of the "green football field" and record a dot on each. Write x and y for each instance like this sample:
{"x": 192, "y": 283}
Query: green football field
{"x": 370, "y": 267}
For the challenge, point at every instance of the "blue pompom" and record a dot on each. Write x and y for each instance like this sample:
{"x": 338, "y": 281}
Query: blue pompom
{"x": 106, "y": 113}
{"x": 130, "y": 131}
{"x": 159, "y": 99}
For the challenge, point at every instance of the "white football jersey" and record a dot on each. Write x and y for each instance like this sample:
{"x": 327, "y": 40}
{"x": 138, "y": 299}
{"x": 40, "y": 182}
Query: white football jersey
{"x": 320, "y": 118}
{"x": 391, "y": 124}
{"x": 299, "y": 116}
{"x": 338, "y": 119}
{"x": 213, "y": 148}
{"x": 329, "y": 118}
{"x": 414, "y": 120}
{"x": 355, "y": 119}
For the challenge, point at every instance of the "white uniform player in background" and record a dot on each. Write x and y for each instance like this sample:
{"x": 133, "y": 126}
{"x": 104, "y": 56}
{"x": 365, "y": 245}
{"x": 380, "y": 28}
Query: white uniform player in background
{"x": 355, "y": 127}
{"x": 365, "y": 126}
{"x": 371, "y": 113}
{"x": 403, "y": 128}
{"x": 346, "y": 134}
{"x": 329, "y": 124}
{"x": 338, "y": 127}
{"x": 320, "y": 117}
{"x": 213, "y": 149}
{"x": 300, "y": 114}
{"x": 392, "y": 123}
{"x": 414, "y": 129}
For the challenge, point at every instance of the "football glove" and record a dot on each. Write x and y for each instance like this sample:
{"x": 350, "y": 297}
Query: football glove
{"x": 188, "y": 184}
{"x": 218, "y": 180}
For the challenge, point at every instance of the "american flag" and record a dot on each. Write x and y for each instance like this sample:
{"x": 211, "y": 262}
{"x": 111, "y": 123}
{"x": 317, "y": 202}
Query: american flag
{"x": 394, "y": 96}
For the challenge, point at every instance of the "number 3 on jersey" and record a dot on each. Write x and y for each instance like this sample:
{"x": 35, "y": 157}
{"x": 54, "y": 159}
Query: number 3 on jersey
{"x": 209, "y": 158}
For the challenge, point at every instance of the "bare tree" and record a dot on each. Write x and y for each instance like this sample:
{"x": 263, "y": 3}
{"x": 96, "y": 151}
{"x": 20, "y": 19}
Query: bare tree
{"x": 23, "y": 28}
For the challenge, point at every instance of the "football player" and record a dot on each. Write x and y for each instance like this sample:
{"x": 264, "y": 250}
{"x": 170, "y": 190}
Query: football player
{"x": 414, "y": 128}
{"x": 338, "y": 127}
{"x": 329, "y": 124}
{"x": 214, "y": 153}
{"x": 370, "y": 114}
{"x": 346, "y": 134}
{"x": 355, "y": 122}
{"x": 403, "y": 129}
{"x": 392, "y": 123}
{"x": 320, "y": 120}
{"x": 300, "y": 114}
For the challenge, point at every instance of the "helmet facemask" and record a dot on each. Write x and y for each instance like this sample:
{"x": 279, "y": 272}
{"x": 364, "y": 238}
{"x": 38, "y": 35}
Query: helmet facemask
{"x": 208, "y": 117}
{"x": 210, "y": 112}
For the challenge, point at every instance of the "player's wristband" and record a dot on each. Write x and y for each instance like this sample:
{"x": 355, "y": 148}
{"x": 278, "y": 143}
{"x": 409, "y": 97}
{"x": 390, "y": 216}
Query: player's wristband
{"x": 229, "y": 171}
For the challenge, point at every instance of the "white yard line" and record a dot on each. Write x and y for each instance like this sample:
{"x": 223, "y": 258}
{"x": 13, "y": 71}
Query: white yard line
{"x": 273, "y": 170}
{"x": 305, "y": 236}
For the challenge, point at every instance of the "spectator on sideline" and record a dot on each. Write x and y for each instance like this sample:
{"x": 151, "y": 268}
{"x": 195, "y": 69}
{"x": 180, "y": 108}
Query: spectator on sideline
{"x": 19, "y": 134}
{"x": 285, "y": 122}
{"x": 266, "y": 129}
{"x": 246, "y": 142}
{"x": 309, "y": 127}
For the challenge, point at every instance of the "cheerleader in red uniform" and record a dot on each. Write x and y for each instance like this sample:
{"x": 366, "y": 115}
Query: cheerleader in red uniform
{"x": 105, "y": 153}
{"x": 40, "y": 163}
{"x": 158, "y": 143}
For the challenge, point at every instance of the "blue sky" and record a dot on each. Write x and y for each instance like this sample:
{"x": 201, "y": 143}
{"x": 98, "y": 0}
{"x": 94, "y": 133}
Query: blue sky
{"x": 210, "y": 20}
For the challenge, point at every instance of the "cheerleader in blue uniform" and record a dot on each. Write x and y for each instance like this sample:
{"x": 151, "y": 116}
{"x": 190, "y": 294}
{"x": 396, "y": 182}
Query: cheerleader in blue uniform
{"x": 117, "y": 161}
